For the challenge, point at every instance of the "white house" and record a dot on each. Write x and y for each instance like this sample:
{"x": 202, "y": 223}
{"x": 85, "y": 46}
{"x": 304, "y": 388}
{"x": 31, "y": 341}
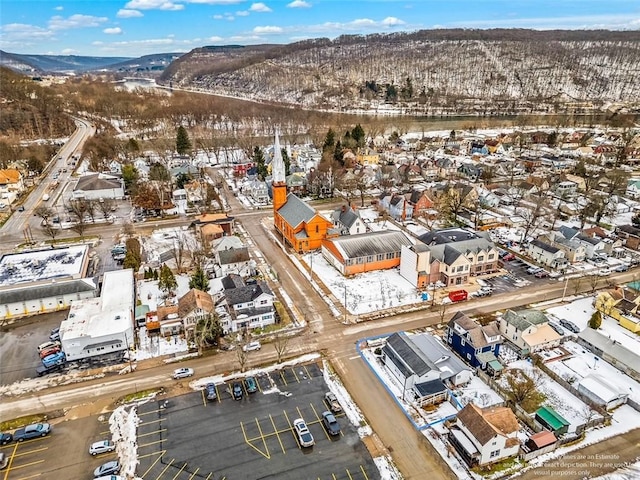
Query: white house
{"x": 485, "y": 435}
{"x": 97, "y": 185}
{"x": 247, "y": 306}
{"x": 546, "y": 254}
{"x": 528, "y": 329}
{"x": 233, "y": 260}
{"x": 348, "y": 221}
{"x": 103, "y": 325}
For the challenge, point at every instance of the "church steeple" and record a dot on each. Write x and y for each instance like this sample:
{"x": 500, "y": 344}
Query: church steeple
{"x": 279, "y": 181}
{"x": 277, "y": 167}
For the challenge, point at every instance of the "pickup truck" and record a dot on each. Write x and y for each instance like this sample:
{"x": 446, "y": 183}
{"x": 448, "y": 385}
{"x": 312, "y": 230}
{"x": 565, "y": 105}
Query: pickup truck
{"x": 332, "y": 402}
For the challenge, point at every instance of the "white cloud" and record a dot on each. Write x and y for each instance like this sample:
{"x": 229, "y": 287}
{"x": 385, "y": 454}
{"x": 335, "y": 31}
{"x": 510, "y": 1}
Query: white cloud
{"x": 392, "y": 22}
{"x": 215, "y": 2}
{"x": 299, "y": 4}
{"x": 215, "y": 39}
{"x": 586, "y": 22}
{"x": 75, "y": 21}
{"x": 363, "y": 22}
{"x": 128, "y": 13}
{"x": 112, "y": 31}
{"x": 59, "y": 8}
{"x": 22, "y": 31}
{"x": 227, "y": 16}
{"x": 153, "y": 5}
{"x": 267, "y": 30}
{"x": 69, "y": 51}
{"x": 259, "y": 7}
{"x": 242, "y": 13}
{"x": 218, "y": 17}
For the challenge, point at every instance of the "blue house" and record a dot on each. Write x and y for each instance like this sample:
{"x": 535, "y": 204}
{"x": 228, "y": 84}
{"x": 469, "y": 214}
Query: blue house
{"x": 478, "y": 345}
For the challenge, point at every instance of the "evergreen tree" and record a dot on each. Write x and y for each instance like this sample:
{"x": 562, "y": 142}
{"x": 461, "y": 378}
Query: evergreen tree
{"x": 199, "y": 280}
{"x": 329, "y": 140}
{"x": 358, "y": 135}
{"x": 183, "y": 143}
{"x": 167, "y": 281}
{"x": 596, "y": 320}
{"x": 287, "y": 162}
{"x": 338, "y": 155}
{"x": 130, "y": 177}
{"x": 258, "y": 158}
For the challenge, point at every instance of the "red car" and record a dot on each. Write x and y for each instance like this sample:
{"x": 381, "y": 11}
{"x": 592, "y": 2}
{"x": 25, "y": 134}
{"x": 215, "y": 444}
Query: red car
{"x": 509, "y": 257}
{"x": 49, "y": 351}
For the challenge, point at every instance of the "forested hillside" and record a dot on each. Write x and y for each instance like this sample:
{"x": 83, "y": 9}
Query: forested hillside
{"x": 434, "y": 71}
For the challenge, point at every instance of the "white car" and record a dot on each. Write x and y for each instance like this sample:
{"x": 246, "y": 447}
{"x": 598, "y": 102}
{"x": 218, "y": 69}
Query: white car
{"x": 182, "y": 373}
{"x": 251, "y": 346}
{"x": 104, "y": 446}
{"x": 302, "y": 431}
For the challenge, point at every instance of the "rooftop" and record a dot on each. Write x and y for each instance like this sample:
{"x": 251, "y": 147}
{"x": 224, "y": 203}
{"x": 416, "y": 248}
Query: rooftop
{"x": 39, "y": 265}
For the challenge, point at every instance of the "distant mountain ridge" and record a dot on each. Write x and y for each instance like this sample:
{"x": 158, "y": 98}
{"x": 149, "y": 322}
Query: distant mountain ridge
{"x": 430, "y": 71}
{"x": 43, "y": 64}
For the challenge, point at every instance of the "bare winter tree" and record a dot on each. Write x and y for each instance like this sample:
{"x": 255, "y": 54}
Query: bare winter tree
{"x": 522, "y": 389}
{"x": 241, "y": 356}
{"x": 280, "y": 343}
{"x": 50, "y": 230}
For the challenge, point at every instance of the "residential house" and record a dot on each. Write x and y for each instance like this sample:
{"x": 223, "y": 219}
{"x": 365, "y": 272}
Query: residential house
{"x": 528, "y": 330}
{"x": 566, "y": 189}
{"x": 468, "y": 339}
{"x": 297, "y": 184}
{"x": 365, "y": 252}
{"x": 421, "y": 364}
{"x": 196, "y": 192}
{"x": 633, "y": 189}
{"x": 485, "y": 435}
{"x": 233, "y": 260}
{"x": 367, "y": 156}
{"x": 461, "y": 253}
{"x": 593, "y": 245}
{"x": 630, "y": 236}
{"x": 192, "y": 306}
{"x": 622, "y": 305}
{"x": 221, "y": 220}
{"x": 240, "y": 169}
{"x": 11, "y": 184}
{"x": 447, "y": 167}
{"x": 396, "y": 205}
{"x": 179, "y": 199}
{"x": 247, "y": 306}
{"x": 257, "y": 191}
{"x": 573, "y": 250}
{"x": 421, "y": 201}
{"x": 347, "y": 220}
{"x": 98, "y": 185}
{"x": 546, "y": 254}
{"x": 410, "y": 173}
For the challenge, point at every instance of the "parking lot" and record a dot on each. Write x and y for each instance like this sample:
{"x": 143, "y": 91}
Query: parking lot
{"x": 250, "y": 438}
{"x": 516, "y": 276}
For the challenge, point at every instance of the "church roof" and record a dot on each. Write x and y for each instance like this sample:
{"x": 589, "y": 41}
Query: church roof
{"x": 295, "y": 211}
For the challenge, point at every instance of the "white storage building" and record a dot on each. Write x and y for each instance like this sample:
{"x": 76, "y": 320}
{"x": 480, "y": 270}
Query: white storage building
{"x": 102, "y": 325}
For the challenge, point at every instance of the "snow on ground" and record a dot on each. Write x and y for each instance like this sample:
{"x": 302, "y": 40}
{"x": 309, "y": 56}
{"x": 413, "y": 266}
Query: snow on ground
{"x": 478, "y": 393}
{"x": 630, "y": 472}
{"x": 564, "y": 402}
{"x": 156, "y": 345}
{"x": 366, "y": 292}
{"x": 583, "y": 363}
{"x": 387, "y": 469}
{"x": 164, "y": 240}
{"x": 580, "y": 311}
{"x": 149, "y": 293}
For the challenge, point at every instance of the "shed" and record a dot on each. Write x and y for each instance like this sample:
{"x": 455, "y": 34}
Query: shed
{"x": 541, "y": 439}
{"x": 552, "y": 420}
{"x": 602, "y": 392}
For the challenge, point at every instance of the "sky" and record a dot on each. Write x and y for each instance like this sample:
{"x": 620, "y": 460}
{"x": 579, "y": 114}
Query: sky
{"x": 112, "y": 28}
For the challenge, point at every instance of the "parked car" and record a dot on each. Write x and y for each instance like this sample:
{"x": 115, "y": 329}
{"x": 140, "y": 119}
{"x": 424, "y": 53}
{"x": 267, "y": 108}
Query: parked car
{"x": 251, "y": 385}
{"x": 49, "y": 351}
{"x": 4, "y": 460}
{"x": 572, "y": 327}
{"x": 109, "y": 468}
{"x": 55, "y": 359}
{"x": 302, "y": 431}
{"x": 32, "y": 431}
{"x": 604, "y": 272}
{"x": 103, "y": 446}
{"x": 111, "y": 477}
{"x": 42, "y": 370}
{"x": 251, "y": 346}
{"x": 330, "y": 423}
{"x": 182, "y": 373}
{"x": 210, "y": 390}
{"x": 541, "y": 274}
{"x": 21, "y": 208}
{"x": 508, "y": 257}
{"x": 5, "y": 437}
{"x": 533, "y": 270}
{"x": 45, "y": 345}
{"x": 236, "y": 391}
{"x": 55, "y": 335}
{"x": 559, "y": 330}
{"x": 332, "y": 402}
{"x": 621, "y": 268}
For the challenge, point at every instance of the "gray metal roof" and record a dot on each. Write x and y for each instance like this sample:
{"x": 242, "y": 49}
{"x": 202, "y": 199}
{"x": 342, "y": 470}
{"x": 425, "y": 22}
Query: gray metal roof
{"x": 233, "y": 280}
{"x": 52, "y": 289}
{"x": 96, "y": 182}
{"x": 345, "y": 215}
{"x": 409, "y": 354}
{"x": 445, "y": 361}
{"x": 373, "y": 243}
{"x": 622, "y": 354}
{"x": 233, "y": 255}
{"x": 544, "y": 246}
{"x": 295, "y": 211}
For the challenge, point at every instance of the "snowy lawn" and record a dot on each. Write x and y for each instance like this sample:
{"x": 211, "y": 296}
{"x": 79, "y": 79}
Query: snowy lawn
{"x": 149, "y": 293}
{"x": 574, "y": 410}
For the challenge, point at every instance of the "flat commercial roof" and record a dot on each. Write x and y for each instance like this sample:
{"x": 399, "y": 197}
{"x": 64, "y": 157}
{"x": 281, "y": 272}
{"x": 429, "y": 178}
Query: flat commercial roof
{"x": 39, "y": 265}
